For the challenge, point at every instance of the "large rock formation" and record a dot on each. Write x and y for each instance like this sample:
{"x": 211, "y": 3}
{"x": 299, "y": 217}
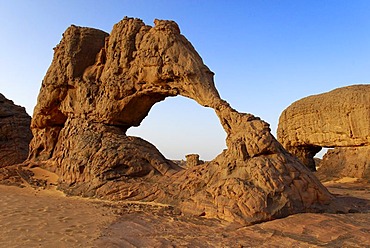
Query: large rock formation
{"x": 15, "y": 132}
{"x": 339, "y": 118}
{"x": 99, "y": 85}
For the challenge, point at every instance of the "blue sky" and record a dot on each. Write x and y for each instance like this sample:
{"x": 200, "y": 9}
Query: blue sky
{"x": 265, "y": 55}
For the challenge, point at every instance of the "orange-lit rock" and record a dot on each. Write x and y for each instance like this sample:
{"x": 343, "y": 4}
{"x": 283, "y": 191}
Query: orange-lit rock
{"x": 339, "y": 118}
{"x": 89, "y": 99}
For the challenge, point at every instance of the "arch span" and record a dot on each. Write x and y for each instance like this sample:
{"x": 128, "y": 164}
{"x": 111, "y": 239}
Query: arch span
{"x": 128, "y": 71}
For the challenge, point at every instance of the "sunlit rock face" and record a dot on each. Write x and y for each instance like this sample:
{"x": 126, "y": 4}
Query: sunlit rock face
{"x": 339, "y": 118}
{"x": 15, "y": 132}
{"x": 100, "y": 84}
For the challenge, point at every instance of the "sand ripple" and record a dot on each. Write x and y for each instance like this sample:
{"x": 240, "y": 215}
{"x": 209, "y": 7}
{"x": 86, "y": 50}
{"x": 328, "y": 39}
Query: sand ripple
{"x": 32, "y": 218}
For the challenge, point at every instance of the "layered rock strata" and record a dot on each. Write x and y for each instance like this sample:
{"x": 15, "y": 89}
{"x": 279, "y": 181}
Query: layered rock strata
{"x": 99, "y": 85}
{"x": 15, "y": 132}
{"x": 339, "y": 118}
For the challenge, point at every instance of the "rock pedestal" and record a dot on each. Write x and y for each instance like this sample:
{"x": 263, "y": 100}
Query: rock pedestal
{"x": 340, "y": 119}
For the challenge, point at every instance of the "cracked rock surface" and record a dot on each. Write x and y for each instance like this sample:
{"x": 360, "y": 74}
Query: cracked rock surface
{"x": 15, "y": 132}
{"x": 100, "y": 84}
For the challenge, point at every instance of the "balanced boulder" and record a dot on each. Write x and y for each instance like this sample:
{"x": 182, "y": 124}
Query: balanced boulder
{"x": 337, "y": 119}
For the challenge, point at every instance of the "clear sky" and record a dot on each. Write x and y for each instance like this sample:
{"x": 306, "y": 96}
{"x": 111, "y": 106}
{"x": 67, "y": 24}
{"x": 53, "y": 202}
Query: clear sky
{"x": 265, "y": 55}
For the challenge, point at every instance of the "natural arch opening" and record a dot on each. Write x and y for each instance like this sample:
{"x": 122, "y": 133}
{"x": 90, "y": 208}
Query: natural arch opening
{"x": 323, "y": 151}
{"x": 320, "y": 155}
{"x": 179, "y": 126}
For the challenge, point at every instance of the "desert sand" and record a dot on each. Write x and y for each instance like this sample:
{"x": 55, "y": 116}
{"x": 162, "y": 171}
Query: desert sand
{"x": 44, "y": 218}
{"x": 47, "y": 218}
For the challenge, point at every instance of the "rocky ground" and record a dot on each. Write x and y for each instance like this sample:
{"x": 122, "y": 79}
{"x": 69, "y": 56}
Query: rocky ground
{"x": 161, "y": 227}
{"x": 45, "y": 218}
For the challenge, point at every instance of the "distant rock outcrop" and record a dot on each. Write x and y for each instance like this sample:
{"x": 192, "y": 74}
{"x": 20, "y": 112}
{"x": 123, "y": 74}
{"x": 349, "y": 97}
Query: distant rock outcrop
{"x": 193, "y": 160}
{"x": 99, "y": 85}
{"x": 15, "y": 132}
{"x": 339, "y": 118}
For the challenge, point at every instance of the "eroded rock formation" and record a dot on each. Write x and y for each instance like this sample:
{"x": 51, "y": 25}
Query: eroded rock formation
{"x": 339, "y": 118}
{"x": 193, "y": 160}
{"x": 99, "y": 85}
{"x": 345, "y": 162}
{"x": 15, "y": 132}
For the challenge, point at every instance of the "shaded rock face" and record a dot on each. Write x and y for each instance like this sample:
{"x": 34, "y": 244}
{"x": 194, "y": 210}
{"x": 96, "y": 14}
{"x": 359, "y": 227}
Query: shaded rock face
{"x": 339, "y": 118}
{"x": 15, "y": 132}
{"x": 193, "y": 160}
{"x": 89, "y": 100}
{"x": 345, "y": 162}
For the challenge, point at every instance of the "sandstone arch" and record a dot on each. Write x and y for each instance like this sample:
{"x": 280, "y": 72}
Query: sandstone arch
{"x": 88, "y": 100}
{"x": 337, "y": 119}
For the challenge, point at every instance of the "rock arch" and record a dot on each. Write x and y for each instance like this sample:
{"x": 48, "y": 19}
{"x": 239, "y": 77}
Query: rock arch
{"x": 89, "y": 99}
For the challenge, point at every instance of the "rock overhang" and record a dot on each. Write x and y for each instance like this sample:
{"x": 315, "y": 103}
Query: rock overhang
{"x": 336, "y": 119}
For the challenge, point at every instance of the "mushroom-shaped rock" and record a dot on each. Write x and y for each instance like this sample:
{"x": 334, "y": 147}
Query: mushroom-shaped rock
{"x": 339, "y": 118}
{"x": 88, "y": 101}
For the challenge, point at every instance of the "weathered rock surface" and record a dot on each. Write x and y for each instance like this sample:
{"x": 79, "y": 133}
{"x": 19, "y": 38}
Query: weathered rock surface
{"x": 193, "y": 160}
{"x": 89, "y": 99}
{"x": 339, "y": 118}
{"x": 58, "y": 221}
{"x": 345, "y": 162}
{"x": 15, "y": 132}
{"x": 160, "y": 227}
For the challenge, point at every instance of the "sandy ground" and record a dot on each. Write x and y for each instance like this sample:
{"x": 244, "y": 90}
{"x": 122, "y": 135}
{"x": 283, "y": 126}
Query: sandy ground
{"x": 46, "y": 218}
{"x": 30, "y": 218}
